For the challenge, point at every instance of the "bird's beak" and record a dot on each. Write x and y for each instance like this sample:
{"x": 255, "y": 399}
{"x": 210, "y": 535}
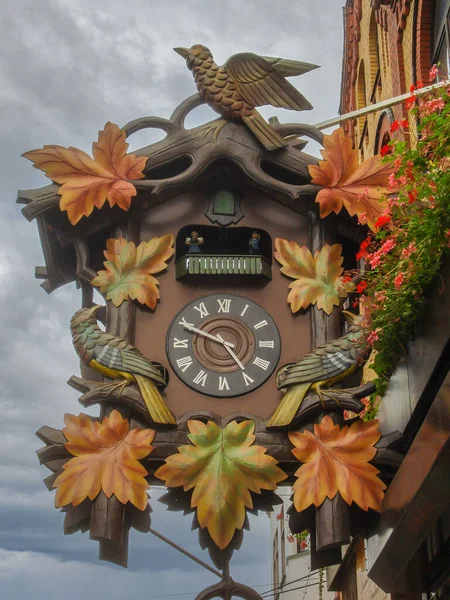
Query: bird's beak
{"x": 184, "y": 52}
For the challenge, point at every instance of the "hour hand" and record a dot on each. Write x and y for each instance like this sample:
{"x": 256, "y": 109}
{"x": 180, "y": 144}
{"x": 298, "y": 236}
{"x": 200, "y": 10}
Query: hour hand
{"x": 217, "y": 339}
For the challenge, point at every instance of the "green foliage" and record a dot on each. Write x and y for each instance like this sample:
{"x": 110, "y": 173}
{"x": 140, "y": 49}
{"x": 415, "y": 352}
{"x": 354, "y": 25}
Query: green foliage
{"x": 410, "y": 239}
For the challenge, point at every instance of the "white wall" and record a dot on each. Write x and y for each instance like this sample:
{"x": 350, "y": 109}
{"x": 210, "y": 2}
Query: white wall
{"x": 295, "y": 573}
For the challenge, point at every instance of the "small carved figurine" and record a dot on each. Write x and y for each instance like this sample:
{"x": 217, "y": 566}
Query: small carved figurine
{"x": 245, "y": 81}
{"x": 115, "y": 358}
{"x": 194, "y": 242}
{"x": 253, "y": 243}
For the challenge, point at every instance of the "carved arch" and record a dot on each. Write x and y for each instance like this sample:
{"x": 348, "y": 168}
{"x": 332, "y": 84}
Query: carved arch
{"x": 383, "y": 136}
{"x": 361, "y": 96}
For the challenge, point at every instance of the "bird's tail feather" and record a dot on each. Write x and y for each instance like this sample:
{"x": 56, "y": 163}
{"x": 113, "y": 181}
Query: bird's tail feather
{"x": 288, "y": 67}
{"x": 289, "y": 406}
{"x": 266, "y": 134}
{"x": 154, "y": 402}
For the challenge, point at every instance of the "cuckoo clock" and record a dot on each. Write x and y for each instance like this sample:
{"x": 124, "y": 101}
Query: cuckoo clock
{"x": 223, "y": 284}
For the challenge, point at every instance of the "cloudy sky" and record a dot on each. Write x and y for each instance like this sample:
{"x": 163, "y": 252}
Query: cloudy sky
{"x": 67, "y": 67}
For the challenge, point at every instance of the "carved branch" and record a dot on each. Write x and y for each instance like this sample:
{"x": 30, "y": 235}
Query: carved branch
{"x": 285, "y": 129}
{"x": 181, "y": 112}
{"x": 38, "y": 200}
{"x": 149, "y": 123}
{"x": 205, "y": 144}
{"x": 95, "y": 393}
{"x": 335, "y": 399}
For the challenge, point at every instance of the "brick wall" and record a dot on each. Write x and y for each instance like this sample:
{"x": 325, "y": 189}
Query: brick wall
{"x": 387, "y": 49}
{"x": 390, "y": 40}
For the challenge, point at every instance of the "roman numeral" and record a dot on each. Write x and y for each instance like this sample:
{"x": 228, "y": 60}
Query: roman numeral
{"x": 223, "y": 383}
{"x": 262, "y": 364}
{"x": 267, "y": 344}
{"x": 185, "y": 323}
{"x": 248, "y": 380}
{"x": 260, "y": 324}
{"x": 245, "y": 310}
{"x": 184, "y": 363}
{"x": 202, "y": 310}
{"x": 200, "y": 379}
{"x": 180, "y": 343}
{"x": 224, "y": 305}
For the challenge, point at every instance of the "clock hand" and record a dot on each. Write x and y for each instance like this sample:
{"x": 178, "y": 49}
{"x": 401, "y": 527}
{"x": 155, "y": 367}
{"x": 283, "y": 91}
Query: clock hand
{"x": 208, "y": 335}
{"x": 231, "y": 353}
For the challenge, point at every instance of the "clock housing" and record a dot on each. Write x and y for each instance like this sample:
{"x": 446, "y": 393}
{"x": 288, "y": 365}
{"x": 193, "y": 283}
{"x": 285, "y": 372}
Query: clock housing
{"x": 261, "y": 212}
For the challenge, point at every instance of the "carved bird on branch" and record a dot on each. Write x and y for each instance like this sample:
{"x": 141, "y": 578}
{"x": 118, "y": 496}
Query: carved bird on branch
{"x": 115, "y": 358}
{"x": 322, "y": 367}
{"x": 245, "y": 81}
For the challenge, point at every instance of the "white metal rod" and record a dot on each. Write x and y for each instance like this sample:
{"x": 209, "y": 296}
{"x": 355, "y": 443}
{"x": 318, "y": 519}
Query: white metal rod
{"x": 367, "y": 110}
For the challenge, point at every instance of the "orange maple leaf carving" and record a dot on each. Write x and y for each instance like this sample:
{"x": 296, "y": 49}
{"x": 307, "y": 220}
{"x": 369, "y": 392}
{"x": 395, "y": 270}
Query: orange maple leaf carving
{"x": 360, "y": 188}
{"x": 88, "y": 182}
{"x": 337, "y": 460}
{"x": 317, "y": 278}
{"x": 223, "y": 467}
{"x": 128, "y": 269}
{"x": 106, "y": 457}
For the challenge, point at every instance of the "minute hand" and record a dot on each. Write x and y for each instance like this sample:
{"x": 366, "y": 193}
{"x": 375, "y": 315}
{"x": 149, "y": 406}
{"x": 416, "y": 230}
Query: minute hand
{"x": 217, "y": 339}
{"x": 232, "y": 354}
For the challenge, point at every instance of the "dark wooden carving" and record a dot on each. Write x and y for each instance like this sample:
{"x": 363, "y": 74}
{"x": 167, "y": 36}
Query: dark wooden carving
{"x": 272, "y": 192}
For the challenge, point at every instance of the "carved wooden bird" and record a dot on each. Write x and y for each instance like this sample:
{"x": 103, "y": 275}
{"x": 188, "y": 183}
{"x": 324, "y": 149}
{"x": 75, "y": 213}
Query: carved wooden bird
{"x": 245, "y": 81}
{"x": 322, "y": 367}
{"x": 115, "y": 358}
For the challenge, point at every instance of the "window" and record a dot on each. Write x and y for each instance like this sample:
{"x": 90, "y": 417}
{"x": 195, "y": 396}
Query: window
{"x": 361, "y": 101}
{"x": 374, "y": 60}
{"x": 283, "y": 545}
{"x": 276, "y": 566}
{"x": 441, "y": 42}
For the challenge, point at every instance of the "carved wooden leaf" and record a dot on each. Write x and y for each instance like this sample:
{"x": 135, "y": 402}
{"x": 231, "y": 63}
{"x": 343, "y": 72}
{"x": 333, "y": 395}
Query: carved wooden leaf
{"x": 223, "y": 468}
{"x": 337, "y": 460}
{"x": 106, "y": 457}
{"x": 317, "y": 277}
{"x": 360, "y": 188}
{"x": 129, "y": 269}
{"x": 88, "y": 182}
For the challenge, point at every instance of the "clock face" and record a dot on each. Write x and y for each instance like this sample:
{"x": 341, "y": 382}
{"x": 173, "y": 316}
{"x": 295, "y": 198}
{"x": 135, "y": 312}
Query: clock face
{"x": 223, "y": 345}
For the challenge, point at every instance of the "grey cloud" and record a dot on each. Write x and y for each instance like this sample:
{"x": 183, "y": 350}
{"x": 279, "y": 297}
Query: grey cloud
{"x": 65, "y": 69}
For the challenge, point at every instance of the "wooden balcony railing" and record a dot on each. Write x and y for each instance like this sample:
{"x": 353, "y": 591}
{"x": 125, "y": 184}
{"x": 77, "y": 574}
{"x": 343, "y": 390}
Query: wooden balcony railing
{"x": 223, "y": 264}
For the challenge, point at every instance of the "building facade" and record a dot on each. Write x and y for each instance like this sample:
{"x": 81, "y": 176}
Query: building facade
{"x": 292, "y": 577}
{"x": 389, "y": 48}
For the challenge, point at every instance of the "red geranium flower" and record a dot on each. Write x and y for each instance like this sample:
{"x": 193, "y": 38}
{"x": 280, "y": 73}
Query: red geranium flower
{"x": 399, "y": 280}
{"x": 363, "y": 249}
{"x": 361, "y": 287}
{"x": 412, "y": 196}
{"x": 409, "y": 102}
{"x": 382, "y": 220}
